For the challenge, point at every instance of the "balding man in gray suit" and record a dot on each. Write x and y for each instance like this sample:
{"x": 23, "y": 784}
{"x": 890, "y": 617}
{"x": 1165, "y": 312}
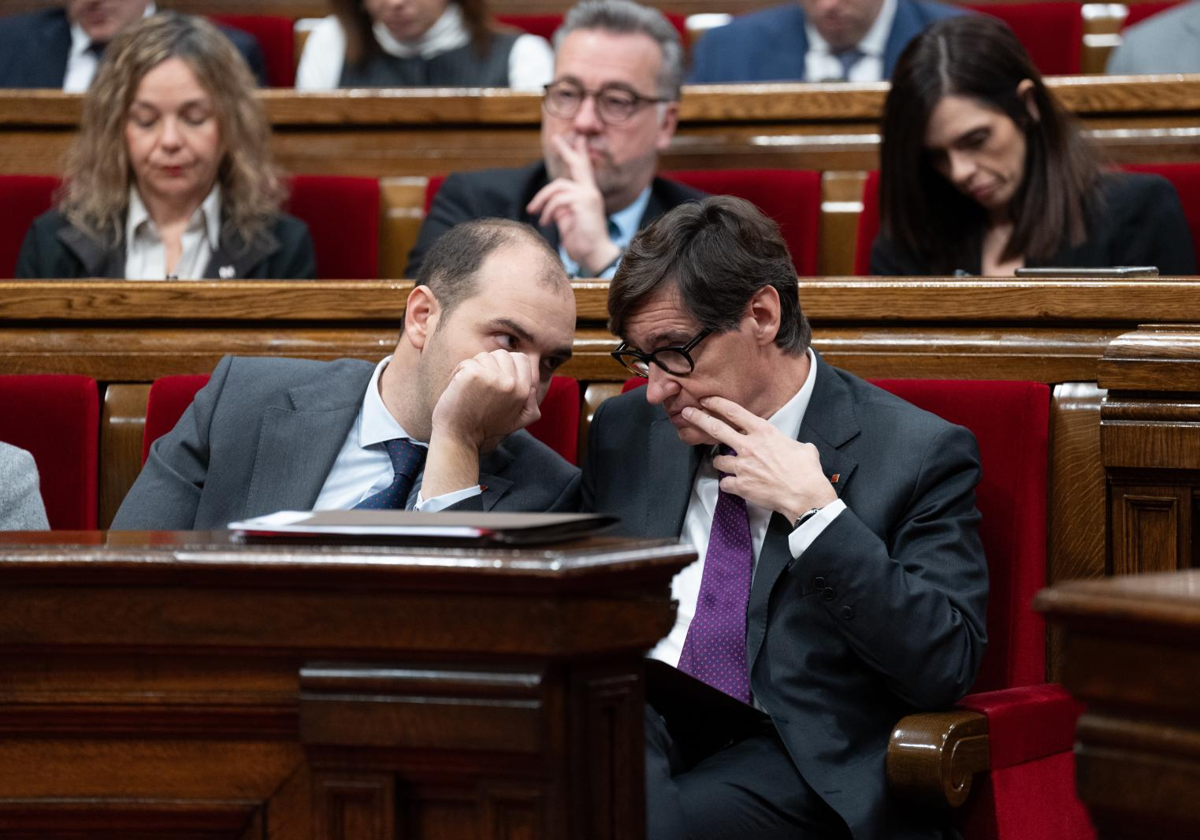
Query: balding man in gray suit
{"x": 1168, "y": 42}
{"x": 21, "y": 506}
{"x": 441, "y": 417}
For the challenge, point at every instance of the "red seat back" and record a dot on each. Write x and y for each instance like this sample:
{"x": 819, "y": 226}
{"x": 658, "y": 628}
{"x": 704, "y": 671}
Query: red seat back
{"x": 868, "y": 225}
{"x": 431, "y": 189}
{"x": 22, "y": 199}
{"x": 558, "y": 426}
{"x": 791, "y": 197}
{"x": 1052, "y": 33}
{"x": 1185, "y": 177}
{"x": 547, "y": 25}
{"x": 57, "y": 419}
{"x": 342, "y": 214}
{"x": 1138, "y": 12}
{"x": 277, "y": 38}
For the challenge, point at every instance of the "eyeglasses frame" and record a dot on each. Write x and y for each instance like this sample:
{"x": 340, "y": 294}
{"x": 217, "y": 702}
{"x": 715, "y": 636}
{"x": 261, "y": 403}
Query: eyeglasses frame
{"x": 649, "y": 358}
{"x": 638, "y": 100}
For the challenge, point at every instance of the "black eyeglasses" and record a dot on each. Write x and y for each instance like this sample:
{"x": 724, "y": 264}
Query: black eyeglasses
{"x": 614, "y": 105}
{"x": 676, "y": 361}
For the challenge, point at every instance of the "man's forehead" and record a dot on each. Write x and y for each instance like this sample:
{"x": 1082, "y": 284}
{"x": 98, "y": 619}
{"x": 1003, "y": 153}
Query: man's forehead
{"x": 661, "y": 315}
{"x": 598, "y": 57}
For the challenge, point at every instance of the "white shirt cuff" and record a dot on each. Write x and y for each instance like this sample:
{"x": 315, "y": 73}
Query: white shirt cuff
{"x": 804, "y": 536}
{"x": 446, "y": 499}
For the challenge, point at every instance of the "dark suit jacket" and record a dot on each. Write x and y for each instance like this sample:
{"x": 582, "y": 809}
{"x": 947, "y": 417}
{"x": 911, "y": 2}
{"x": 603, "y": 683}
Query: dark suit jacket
{"x": 264, "y": 433}
{"x": 54, "y": 248}
{"x": 34, "y": 48}
{"x": 1138, "y": 220}
{"x": 503, "y": 193}
{"x": 770, "y": 45}
{"x": 882, "y": 616}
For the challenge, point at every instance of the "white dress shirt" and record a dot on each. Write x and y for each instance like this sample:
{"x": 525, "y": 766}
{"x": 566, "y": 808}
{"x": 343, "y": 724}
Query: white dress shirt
{"x": 82, "y": 61}
{"x": 685, "y": 587}
{"x": 530, "y": 64}
{"x": 363, "y": 466}
{"x": 821, "y": 65}
{"x": 146, "y": 253}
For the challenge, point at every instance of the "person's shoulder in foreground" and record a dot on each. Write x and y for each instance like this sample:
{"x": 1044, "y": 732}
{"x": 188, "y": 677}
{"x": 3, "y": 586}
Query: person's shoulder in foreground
{"x": 21, "y": 507}
{"x": 1168, "y": 42}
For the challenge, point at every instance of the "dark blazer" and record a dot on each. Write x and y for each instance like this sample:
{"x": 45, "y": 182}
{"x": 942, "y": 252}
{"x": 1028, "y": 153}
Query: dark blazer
{"x": 1137, "y": 221}
{"x": 882, "y": 616}
{"x": 770, "y": 45}
{"x": 504, "y": 193}
{"x": 34, "y": 48}
{"x": 264, "y": 433}
{"x": 54, "y": 249}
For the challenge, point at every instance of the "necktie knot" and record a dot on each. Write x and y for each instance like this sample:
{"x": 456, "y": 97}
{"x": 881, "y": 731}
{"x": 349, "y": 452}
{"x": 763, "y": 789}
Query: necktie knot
{"x": 848, "y": 58}
{"x": 408, "y": 459}
{"x": 724, "y": 449}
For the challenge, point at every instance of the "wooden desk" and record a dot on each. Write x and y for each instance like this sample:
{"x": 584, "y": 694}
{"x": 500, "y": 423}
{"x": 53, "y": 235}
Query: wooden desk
{"x": 1133, "y": 655}
{"x": 175, "y": 684}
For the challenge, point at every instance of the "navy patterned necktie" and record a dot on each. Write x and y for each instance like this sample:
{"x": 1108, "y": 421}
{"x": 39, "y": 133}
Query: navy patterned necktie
{"x": 715, "y": 648}
{"x": 408, "y": 458}
{"x": 848, "y": 58}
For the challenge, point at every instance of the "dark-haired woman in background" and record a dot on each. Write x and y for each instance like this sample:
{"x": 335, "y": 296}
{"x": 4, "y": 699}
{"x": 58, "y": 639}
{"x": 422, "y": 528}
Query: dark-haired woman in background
{"x": 983, "y": 172}
{"x": 420, "y": 43}
{"x": 171, "y": 175}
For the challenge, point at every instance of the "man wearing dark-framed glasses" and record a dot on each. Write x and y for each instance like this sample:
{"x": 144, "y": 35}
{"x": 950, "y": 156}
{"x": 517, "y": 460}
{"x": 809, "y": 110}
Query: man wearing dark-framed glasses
{"x": 841, "y": 583}
{"x": 611, "y": 109}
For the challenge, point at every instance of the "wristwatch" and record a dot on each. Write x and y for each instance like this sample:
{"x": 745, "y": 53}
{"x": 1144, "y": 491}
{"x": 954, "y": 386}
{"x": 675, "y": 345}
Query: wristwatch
{"x": 804, "y": 517}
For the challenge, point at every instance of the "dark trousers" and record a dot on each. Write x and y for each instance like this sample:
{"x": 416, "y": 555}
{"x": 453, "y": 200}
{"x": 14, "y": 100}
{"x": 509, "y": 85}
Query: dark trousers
{"x": 747, "y": 789}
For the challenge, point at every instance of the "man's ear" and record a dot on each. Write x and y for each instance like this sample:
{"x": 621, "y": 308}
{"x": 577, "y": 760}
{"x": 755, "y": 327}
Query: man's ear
{"x": 667, "y": 125}
{"x": 765, "y": 310}
{"x": 1025, "y": 94}
{"x": 421, "y": 315}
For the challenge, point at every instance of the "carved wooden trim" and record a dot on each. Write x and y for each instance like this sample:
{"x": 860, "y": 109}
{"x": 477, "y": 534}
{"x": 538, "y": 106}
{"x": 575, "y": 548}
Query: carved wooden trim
{"x": 122, "y": 424}
{"x": 114, "y": 819}
{"x": 934, "y": 756}
{"x": 1147, "y": 523}
{"x": 354, "y": 806}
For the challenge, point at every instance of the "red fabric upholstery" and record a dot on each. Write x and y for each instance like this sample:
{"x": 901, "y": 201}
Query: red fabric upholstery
{"x": 22, "y": 199}
{"x": 546, "y": 25}
{"x": 342, "y": 214}
{"x": 1051, "y": 32}
{"x": 1032, "y": 800}
{"x": 57, "y": 419}
{"x": 1186, "y": 179}
{"x": 868, "y": 225}
{"x": 169, "y": 398}
{"x": 789, "y": 196}
{"x": 631, "y": 383}
{"x": 1138, "y": 12}
{"x": 558, "y": 427}
{"x": 1028, "y": 722}
{"x": 277, "y": 38}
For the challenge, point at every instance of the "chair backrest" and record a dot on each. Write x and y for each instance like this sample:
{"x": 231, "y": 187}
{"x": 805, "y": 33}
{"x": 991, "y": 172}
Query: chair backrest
{"x": 868, "y": 225}
{"x": 56, "y": 417}
{"x": 791, "y": 197}
{"x": 22, "y": 199}
{"x": 276, "y": 36}
{"x": 1138, "y": 12}
{"x": 1185, "y": 177}
{"x": 1052, "y": 33}
{"x": 558, "y": 426}
{"x": 431, "y": 189}
{"x": 342, "y": 214}
{"x": 546, "y": 24}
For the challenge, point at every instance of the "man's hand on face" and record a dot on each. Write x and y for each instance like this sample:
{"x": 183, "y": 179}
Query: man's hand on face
{"x": 770, "y": 469}
{"x": 575, "y": 205}
{"x": 489, "y": 396}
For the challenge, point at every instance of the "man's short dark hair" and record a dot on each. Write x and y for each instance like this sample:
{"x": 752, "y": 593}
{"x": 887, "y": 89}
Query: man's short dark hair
{"x": 717, "y": 252}
{"x": 451, "y": 271}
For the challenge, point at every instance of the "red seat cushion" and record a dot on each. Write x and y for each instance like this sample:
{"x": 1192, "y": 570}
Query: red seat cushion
{"x": 342, "y": 214}
{"x": 169, "y": 398}
{"x": 868, "y": 225}
{"x": 1185, "y": 177}
{"x": 57, "y": 419}
{"x": 1052, "y": 33}
{"x": 22, "y": 199}
{"x": 276, "y": 36}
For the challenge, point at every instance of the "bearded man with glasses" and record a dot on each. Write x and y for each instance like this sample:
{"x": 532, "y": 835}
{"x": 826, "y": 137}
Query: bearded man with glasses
{"x": 611, "y": 110}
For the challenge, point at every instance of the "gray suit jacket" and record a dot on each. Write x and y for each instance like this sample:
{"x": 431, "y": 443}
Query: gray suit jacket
{"x": 882, "y": 616}
{"x": 21, "y": 506}
{"x": 1168, "y": 42}
{"x": 264, "y": 433}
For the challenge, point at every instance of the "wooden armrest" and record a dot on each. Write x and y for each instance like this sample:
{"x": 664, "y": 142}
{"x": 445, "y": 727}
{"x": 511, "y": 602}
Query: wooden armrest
{"x": 933, "y": 756}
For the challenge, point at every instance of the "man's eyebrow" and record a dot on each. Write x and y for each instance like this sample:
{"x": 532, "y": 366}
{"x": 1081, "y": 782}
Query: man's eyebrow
{"x": 513, "y": 327}
{"x": 668, "y": 338}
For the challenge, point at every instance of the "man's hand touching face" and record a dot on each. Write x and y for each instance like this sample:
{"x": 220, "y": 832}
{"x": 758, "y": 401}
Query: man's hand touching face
{"x": 489, "y": 396}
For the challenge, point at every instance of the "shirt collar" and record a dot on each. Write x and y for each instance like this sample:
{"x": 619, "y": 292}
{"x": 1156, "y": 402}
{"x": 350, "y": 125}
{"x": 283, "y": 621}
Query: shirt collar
{"x": 627, "y": 219}
{"x": 208, "y": 215}
{"x": 376, "y": 424}
{"x": 81, "y": 43}
{"x": 447, "y": 33}
{"x": 872, "y": 44}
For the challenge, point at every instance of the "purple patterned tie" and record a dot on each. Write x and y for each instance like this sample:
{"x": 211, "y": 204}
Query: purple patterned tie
{"x": 715, "y": 648}
{"x": 407, "y": 460}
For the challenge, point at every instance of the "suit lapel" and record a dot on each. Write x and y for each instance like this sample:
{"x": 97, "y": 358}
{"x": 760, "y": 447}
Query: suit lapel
{"x": 298, "y": 445}
{"x": 53, "y": 50}
{"x": 494, "y": 487}
{"x": 669, "y": 486}
{"x": 235, "y": 258}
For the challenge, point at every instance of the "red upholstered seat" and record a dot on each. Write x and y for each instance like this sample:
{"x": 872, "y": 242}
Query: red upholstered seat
{"x": 789, "y": 196}
{"x": 1186, "y": 179}
{"x": 342, "y": 214}
{"x": 57, "y": 418}
{"x": 1138, "y": 12}
{"x": 546, "y": 25}
{"x": 22, "y": 199}
{"x": 1052, "y": 33}
{"x": 558, "y": 427}
{"x": 276, "y": 36}
{"x": 868, "y": 225}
